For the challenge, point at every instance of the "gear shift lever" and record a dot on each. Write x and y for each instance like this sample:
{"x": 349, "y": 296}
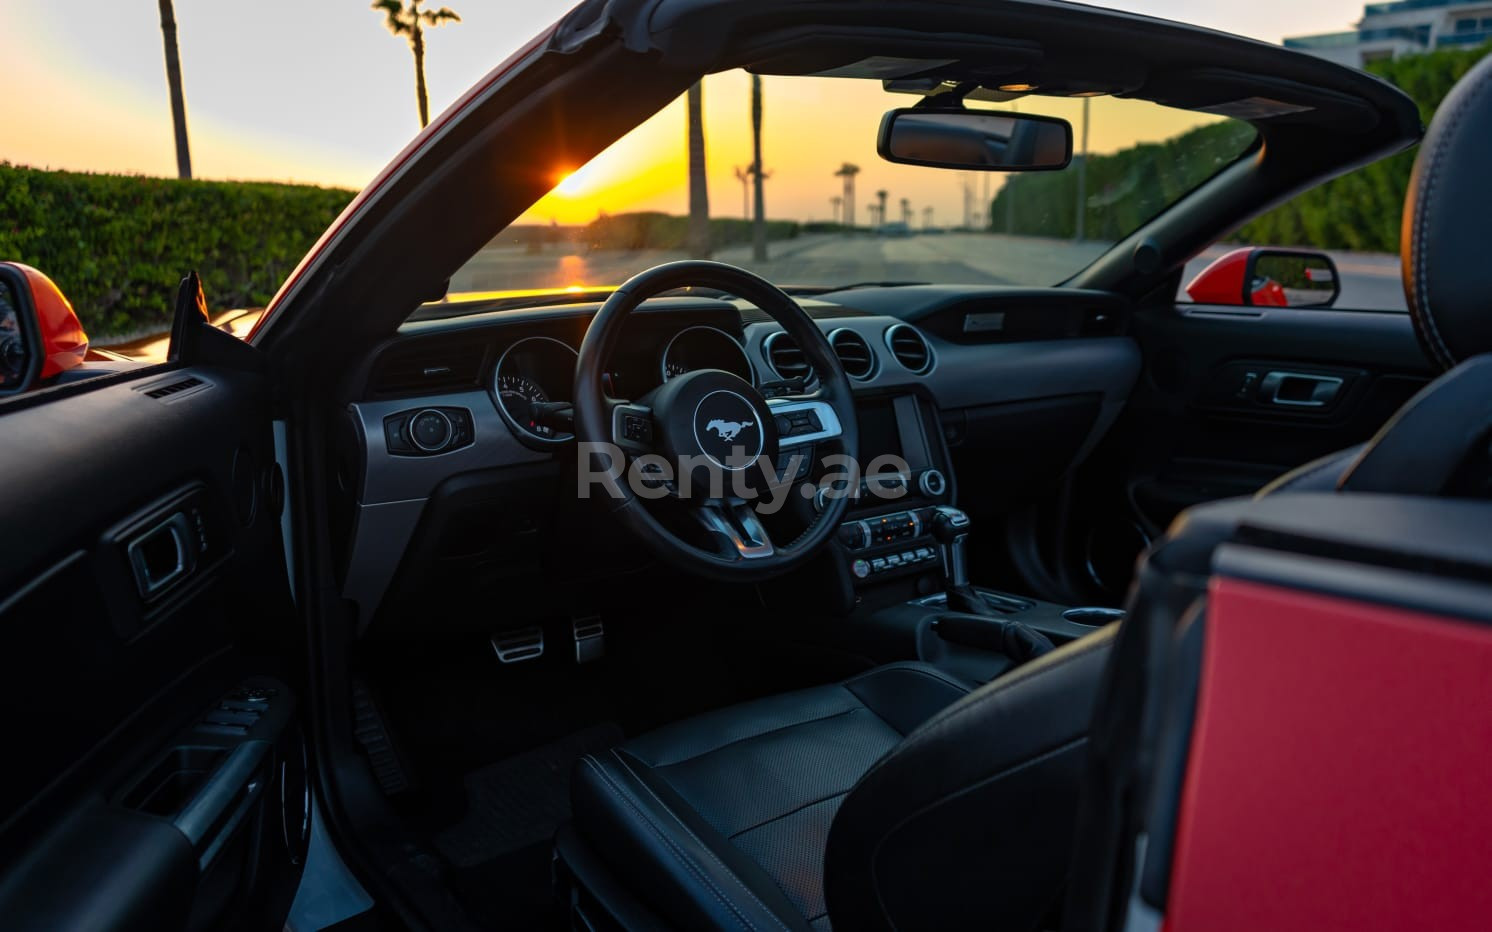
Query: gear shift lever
{"x": 950, "y": 528}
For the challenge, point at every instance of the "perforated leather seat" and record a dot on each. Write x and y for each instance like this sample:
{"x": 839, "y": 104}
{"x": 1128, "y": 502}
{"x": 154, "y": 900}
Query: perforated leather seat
{"x": 899, "y": 798}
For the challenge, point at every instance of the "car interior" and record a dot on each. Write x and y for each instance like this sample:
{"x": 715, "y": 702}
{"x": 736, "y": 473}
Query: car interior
{"x": 362, "y": 557}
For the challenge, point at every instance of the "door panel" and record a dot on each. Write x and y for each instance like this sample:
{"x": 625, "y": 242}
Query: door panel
{"x": 1225, "y": 405}
{"x": 146, "y": 656}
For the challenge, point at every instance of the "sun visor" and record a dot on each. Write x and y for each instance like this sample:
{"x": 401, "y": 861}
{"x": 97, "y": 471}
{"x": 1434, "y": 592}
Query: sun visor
{"x": 1259, "y": 98}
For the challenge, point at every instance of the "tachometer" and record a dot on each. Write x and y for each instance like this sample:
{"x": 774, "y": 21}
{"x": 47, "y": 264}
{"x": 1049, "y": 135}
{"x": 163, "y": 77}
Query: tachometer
{"x": 533, "y": 371}
{"x": 519, "y": 395}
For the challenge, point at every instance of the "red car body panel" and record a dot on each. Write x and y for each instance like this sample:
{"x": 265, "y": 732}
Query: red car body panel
{"x": 1337, "y": 774}
{"x": 64, "y": 343}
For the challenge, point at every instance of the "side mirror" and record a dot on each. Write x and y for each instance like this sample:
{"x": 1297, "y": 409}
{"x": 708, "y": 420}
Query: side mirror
{"x": 975, "y": 140}
{"x": 20, "y": 342}
{"x": 1254, "y": 277}
{"x": 40, "y": 336}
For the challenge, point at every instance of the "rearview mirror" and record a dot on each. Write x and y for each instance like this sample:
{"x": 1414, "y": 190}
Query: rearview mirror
{"x": 975, "y": 140}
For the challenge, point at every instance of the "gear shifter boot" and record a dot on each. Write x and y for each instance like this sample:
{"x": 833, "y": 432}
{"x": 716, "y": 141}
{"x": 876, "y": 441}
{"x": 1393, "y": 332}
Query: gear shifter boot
{"x": 1017, "y": 641}
{"x": 965, "y": 600}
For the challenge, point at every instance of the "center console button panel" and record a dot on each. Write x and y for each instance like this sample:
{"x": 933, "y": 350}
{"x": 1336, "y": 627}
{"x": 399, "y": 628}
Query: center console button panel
{"x": 899, "y": 539}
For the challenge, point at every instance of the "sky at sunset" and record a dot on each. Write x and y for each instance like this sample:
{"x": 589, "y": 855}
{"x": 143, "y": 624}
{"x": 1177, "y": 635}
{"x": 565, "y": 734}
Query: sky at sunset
{"x": 317, "y": 91}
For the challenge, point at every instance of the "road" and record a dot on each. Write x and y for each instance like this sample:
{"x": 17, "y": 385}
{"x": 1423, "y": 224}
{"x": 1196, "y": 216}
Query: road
{"x": 1369, "y": 281}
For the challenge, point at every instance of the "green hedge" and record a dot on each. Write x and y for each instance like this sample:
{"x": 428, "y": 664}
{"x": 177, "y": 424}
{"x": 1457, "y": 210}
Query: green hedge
{"x": 1358, "y": 211}
{"x": 1362, "y": 210}
{"x": 118, "y": 245}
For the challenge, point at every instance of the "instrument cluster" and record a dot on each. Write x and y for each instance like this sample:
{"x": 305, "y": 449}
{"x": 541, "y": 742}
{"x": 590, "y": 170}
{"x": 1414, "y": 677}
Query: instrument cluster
{"x": 539, "y": 370}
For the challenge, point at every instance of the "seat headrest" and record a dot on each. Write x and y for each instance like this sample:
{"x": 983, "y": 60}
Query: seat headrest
{"x": 1447, "y": 225}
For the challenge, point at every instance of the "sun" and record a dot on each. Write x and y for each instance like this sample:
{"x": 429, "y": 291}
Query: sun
{"x": 571, "y": 183}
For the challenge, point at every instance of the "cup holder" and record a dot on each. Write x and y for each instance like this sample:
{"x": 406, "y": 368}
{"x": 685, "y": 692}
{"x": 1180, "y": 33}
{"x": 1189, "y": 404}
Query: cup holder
{"x": 1093, "y": 617}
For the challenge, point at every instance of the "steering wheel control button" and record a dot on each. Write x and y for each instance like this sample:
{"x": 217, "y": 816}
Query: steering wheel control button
{"x": 427, "y": 431}
{"x": 637, "y": 428}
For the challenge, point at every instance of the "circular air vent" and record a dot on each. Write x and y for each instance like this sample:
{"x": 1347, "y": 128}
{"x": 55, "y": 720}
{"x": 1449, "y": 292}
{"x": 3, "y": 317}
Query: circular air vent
{"x": 786, "y": 359}
{"x": 909, "y": 348}
{"x": 854, "y": 353}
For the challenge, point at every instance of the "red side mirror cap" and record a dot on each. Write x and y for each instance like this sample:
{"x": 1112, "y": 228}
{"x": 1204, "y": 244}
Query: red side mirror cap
{"x": 1255, "y": 277}
{"x": 64, "y": 343}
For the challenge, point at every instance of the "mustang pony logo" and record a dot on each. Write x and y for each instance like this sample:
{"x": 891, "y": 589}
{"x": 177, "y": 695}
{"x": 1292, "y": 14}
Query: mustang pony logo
{"x": 728, "y": 430}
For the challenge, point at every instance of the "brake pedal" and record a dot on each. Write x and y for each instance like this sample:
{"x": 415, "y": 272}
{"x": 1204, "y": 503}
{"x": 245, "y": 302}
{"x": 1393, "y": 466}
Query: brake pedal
{"x": 590, "y": 638}
{"x": 518, "y": 645}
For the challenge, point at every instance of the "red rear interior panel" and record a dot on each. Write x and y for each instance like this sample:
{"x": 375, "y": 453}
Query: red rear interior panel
{"x": 1340, "y": 769}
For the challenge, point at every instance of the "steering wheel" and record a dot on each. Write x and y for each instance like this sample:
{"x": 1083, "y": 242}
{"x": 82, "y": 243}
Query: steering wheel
{"x": 710, "y": 438}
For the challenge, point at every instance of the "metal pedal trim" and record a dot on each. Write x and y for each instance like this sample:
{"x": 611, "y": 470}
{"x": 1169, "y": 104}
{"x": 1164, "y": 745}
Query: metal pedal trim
{"x": 589, "y": 634}
{"x": 518, "y": 645}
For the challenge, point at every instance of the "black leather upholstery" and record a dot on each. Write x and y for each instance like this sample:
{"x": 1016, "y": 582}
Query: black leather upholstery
{"x": 969, "y": 823}
{"x": 723, "y": 821}
{"x": 1447, "y": 222}
{"x": 1319, "y": 475}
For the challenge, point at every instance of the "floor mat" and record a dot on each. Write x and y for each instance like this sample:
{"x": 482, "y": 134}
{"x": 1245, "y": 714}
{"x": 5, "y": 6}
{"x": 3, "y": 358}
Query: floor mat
{"x": 519, "y": 802}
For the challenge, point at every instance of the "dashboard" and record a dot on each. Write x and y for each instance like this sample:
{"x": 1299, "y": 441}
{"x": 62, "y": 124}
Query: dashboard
{"x": 453, "y": 464}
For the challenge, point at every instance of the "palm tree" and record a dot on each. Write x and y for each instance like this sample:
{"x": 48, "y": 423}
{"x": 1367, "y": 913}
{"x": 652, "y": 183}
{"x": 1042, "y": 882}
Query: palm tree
{"x": 836, "y": 202}
{"x": 699, "y": 195}
{"x": 759, "y": 223}
{"x": 848, "y": 172}
{"x": 881, "y": 196}
{"x": 906, "y": 212}
{"x": 411, "y": 21}
{"x": 173, "y": 81}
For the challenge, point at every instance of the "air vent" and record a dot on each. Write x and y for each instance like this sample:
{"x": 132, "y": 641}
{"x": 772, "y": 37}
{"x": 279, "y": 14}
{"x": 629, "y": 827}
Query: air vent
{"x": 428, "y": 368}
{"x": 854, "y": 354}
{"x": 173, "y": 388}
{"x": 786, "y": 359}
{"x": 909, "y": 348}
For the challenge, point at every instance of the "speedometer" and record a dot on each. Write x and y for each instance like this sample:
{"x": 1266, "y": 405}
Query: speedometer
{"x": 532, "y": 372}
{"x": 519, "y": 395}
{"x": 702, "y": 347}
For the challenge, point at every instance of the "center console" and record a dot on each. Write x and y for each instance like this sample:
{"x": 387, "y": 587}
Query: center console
{"x": 887, "y": 532}
{"x": 900, "y": 553}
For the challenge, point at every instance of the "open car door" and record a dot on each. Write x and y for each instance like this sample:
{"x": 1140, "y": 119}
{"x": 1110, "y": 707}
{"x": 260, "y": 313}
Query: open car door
{"x": 154, "y": 771}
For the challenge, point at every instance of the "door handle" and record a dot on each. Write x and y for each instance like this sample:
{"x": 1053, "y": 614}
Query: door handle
{"x": 1299, "y": 389}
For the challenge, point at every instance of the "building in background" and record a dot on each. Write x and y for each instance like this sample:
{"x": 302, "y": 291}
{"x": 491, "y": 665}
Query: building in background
{"x": 1403, "y": 27}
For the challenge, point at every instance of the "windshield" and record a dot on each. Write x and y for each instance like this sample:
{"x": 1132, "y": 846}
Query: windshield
{"x": 833, "y": 213}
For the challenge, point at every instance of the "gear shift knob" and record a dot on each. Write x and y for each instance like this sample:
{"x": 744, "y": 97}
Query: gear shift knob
{"x": 950, "y": 528}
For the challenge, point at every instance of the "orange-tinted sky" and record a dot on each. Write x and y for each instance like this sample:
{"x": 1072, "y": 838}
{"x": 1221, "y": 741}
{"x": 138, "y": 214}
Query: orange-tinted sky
{"x": 811, "y": 126}
{"x": 316, "y": 91}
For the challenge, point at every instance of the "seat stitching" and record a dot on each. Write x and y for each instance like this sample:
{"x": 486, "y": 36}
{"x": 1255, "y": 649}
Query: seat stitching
{"x": 963, "y": 689}
{"x": 909, "y": 668}
{"x": 687, "y": 831}
{"x": 752, "y": 737}
{"x": 790, "y": 812}
{"x": 1422, "y": 220}
{"x": 616, "y": 790}
{"x": 1284, "y": 483}
{"x": 1001, "y": 686}
{"x": 875, "y": 854}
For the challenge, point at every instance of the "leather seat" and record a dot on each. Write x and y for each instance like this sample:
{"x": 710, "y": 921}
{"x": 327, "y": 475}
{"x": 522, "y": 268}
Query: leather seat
{"x": 898, "y": 798}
